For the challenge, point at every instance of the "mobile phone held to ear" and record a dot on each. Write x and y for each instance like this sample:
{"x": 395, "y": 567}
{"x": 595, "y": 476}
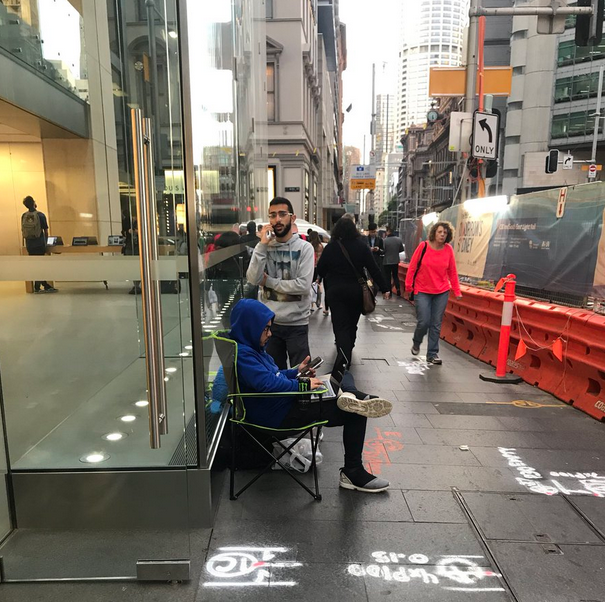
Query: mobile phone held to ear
{"x": 312, "y": 365}
{"x": 270, "y": 234}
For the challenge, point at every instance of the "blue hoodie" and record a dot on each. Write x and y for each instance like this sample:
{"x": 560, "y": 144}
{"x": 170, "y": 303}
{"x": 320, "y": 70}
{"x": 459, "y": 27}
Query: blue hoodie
{"x": 256, "y": 370}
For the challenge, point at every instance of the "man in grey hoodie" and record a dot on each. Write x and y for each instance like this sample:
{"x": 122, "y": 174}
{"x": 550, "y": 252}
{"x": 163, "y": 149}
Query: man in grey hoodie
{"x": 283, "y": 264}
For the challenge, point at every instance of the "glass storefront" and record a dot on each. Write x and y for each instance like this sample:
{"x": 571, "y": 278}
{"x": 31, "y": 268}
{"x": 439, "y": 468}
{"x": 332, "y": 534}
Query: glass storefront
{"x": 106, "y": 385}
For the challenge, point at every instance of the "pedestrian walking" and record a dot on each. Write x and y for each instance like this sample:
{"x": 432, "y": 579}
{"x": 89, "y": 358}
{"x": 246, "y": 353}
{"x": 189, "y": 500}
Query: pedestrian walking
{"x": 34, "y": 229}
{"x": 282, "y": 263}
{"x": 393, "y": 245}
{"x": 376, "y": 244}
{"x": 343, "y": 291}
{"x": 431, "y": 275}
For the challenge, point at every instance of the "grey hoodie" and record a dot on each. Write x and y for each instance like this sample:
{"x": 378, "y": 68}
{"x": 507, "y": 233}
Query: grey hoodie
{"x": 289, "y": 266}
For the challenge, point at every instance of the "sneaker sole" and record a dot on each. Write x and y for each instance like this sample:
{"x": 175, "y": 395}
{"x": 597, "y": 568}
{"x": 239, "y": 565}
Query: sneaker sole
{"x": 370, "y": 408}
{"x": 415, "y": 351}
{"x": 356, "y": 488}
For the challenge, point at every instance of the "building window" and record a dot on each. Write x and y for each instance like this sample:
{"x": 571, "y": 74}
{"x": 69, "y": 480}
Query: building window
{"x": 269, "y": 9}
{"x": 569, "y": 54}
{"x": 271, "y": 109}
{"x": 576, "y": 88}
{"x": 572, "y": 124}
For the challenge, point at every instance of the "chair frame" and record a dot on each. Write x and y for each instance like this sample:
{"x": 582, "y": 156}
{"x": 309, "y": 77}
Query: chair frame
{"x": 238, "y": 420}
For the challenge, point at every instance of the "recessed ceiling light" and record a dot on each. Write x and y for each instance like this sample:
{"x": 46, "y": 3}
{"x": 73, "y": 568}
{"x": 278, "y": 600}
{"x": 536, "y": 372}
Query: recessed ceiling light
{"x": 189, "y": 347}
{"x": 142, "y": 403}
{"x": 94, "y": 457}
{"x": 128, "y": 418}
{"x": 171, "y": 370}
{"x": 166, "y": 378}
{"x": 184, "y": 354}
{"x": 114, "y": 436}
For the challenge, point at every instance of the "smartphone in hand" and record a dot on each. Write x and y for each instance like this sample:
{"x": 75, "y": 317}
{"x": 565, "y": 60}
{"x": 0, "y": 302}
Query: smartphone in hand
{"x": 312, "y": 365}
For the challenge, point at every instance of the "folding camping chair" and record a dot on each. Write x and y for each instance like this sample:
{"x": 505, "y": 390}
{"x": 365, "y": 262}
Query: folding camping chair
{"x": 227, "y": 352}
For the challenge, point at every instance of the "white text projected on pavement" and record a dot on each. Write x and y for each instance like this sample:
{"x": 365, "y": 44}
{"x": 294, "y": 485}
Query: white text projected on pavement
{"x": 249, "y": 566}
{"x": 554, "y": 482}
{"x": 449, "y": 571}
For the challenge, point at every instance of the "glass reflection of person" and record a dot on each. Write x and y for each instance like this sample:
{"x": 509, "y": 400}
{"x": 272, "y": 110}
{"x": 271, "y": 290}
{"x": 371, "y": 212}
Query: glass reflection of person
{"x": 34, "y": 228}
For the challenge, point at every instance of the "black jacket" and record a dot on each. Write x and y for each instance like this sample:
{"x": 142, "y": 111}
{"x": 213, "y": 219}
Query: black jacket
{"x": 378, "y": 242}
{"x": 338, "y": 272}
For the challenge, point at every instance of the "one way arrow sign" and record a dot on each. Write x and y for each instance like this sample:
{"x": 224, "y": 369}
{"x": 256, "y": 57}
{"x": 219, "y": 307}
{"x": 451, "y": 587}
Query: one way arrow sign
{"x": 486, "y": 128}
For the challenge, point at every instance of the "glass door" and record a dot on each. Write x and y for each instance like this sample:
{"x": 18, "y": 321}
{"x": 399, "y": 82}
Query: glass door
{"x": 96, "y": 350}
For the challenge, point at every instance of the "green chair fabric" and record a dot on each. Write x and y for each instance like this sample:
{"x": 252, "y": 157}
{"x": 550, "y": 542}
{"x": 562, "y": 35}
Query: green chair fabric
{"x": 227, "y": 351}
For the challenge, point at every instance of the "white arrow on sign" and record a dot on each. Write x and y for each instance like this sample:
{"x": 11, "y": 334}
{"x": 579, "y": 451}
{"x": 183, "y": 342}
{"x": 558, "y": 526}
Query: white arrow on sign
{"x": 486, "y": 128}
{"x": 568, "y": 162}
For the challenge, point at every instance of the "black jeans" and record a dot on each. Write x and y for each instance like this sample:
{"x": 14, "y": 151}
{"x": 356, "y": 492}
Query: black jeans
{"x": 39, "y": 251}
{"x": 354, "y": 432}
{"x": 391, "y": 273}
{"x": 288, "y": 342}
{"x": 345, "y": 305}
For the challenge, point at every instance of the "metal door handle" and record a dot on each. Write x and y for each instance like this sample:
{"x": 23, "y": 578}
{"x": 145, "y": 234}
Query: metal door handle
{"x": 150, "y": 285}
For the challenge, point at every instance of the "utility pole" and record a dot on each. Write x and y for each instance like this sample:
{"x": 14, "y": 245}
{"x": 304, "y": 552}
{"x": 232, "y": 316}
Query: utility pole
{"x": 597, "y": 119}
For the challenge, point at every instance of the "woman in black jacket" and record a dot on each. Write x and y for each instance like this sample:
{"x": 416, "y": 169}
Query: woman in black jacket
{"x": 343, "y": 291}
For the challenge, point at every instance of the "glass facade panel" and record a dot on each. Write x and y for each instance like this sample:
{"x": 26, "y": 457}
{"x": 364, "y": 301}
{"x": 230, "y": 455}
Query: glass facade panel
{"x": 572, "y": 124}
{"x": 76, "y": 363}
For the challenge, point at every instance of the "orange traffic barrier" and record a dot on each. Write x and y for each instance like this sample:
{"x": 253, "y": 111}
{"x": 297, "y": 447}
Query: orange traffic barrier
{"x": 583, "y": 372}
{"x": 559, "y": 349}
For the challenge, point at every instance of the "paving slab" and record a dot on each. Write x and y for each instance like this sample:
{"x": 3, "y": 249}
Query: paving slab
{"x": 434, "y": 507}
{"x": 530, "y": 518}
{"x": 537, "y": 575}
{"x": 328, "y": 541}
{"x": 433, "y": 455}
{"x": 481, "y": 438}
{"x": 594, "y": 509}
{"x": 336, "y": 505}
{"x": 545, "y": 459}
{"x": 443, "y": 478}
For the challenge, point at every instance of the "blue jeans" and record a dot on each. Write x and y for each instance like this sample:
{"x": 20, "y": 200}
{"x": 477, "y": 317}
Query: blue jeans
{"x": 429, "y": 312}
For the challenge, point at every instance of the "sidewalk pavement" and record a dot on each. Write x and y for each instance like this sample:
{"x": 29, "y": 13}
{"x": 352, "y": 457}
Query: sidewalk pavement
{"x": 486, "y": 480}
{"x": 497, "y": 493}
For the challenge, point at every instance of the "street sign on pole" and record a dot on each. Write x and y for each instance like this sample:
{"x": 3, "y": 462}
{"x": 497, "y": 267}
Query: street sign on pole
{"x": 568, "y": 161}
{"x": 561, "y": 202}
{"x": 366, "y": 183}
{"x": 361, "y": 172}
{"x": 486, "y": 129}
{"x": 592, "y": 171}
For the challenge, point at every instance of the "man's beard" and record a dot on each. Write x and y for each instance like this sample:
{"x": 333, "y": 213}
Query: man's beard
{"x": 284, "y": 232}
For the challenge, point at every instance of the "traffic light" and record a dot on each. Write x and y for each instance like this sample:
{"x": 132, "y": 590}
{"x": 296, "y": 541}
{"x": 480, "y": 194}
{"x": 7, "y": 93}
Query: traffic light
{"x": 552, "y": 161}
{"x": 491, "y": 168}
{"x": 589, "y": 28}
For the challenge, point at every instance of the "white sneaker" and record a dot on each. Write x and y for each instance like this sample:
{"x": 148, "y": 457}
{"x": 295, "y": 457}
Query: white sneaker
{"x": 370, "y": 408}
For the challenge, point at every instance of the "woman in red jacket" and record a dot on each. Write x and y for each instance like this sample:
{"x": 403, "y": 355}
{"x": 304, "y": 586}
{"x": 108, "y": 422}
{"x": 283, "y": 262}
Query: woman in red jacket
{"x": 431, "y": 275}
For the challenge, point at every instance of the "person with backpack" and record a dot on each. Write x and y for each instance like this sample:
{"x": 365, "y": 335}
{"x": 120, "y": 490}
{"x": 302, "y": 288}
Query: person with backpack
{"x": 34, "y": 229}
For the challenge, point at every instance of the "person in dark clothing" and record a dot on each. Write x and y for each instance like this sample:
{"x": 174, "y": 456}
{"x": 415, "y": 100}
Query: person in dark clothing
{"x": 251, "y": 324}
{"x": 250, "y": 239}
{"x": 34, "y": 228}
{"x": 376, "y": 244}
{"x": 343, "y": 291}
{"x": 393, "y": 245}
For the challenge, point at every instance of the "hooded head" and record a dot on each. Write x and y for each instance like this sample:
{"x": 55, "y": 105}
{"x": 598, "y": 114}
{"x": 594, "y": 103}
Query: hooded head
{"x": 248, "y": 320}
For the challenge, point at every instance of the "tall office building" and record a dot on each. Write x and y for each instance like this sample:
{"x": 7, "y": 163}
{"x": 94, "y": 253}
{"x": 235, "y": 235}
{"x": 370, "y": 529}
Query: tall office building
{"x": 432, "y": 36}
{"x": 385, "y": 125}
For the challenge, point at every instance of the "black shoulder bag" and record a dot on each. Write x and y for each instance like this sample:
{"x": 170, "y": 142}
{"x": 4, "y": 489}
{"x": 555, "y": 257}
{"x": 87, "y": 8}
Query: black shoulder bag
{"x": 368, "y": 297}
{"x": 426, "y": 244}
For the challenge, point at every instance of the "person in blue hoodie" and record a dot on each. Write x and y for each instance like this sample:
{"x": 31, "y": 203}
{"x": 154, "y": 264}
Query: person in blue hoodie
{"x": 257, "y": 372}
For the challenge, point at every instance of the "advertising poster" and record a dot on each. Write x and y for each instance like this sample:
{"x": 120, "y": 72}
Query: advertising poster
{"x": 471, "y": 241}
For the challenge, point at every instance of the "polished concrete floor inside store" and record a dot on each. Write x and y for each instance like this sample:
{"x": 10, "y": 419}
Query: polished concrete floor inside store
{"x": 491, "y": 499}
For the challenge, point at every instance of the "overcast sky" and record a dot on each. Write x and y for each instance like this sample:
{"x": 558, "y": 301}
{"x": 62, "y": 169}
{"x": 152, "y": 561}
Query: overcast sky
{"x": 372, "y": 37}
